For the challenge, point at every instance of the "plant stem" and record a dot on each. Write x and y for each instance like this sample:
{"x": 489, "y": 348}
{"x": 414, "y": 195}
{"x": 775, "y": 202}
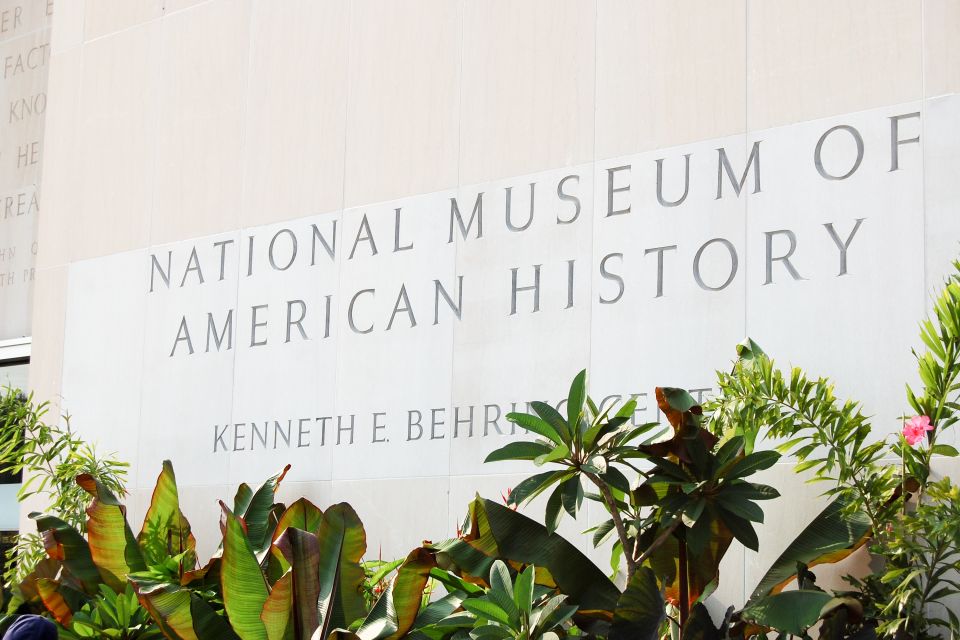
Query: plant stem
{"x": 684, "y": 587}
{"x": 614, "y": 510}
{"x": 666, "y": 533}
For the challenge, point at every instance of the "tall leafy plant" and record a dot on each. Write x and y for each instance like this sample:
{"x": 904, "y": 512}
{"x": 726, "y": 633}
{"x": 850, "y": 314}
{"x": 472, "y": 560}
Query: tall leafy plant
{"x": 49, "y": 457}
{"x": 677, "y": 516}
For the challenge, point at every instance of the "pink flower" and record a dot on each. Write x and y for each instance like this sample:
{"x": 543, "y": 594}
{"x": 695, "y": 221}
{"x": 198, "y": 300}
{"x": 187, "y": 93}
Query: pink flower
{"x": 916, "y": 428}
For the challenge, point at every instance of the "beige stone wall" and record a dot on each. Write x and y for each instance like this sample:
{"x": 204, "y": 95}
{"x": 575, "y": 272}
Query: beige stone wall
{"x": 24, "y": 65}
{"x": 175, "y": 119}
{"x": 170, "y": 120}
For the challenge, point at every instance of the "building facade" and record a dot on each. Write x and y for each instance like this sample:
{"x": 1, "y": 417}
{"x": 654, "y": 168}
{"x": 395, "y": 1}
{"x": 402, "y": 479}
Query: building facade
{"x": 353, "y": 236}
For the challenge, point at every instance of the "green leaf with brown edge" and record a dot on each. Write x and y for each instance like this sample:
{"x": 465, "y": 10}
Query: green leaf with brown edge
{"x": 65, "y": 544}
{"x": 166, "y": 532}
{"x": 703, "y": 567}
{"x": 256, "y": 514}
{"x": 395, "y": 612}
{"x": 412, "y": 578}
{"x": 498, "y": 532}
{"x": 113, "y": 547}
{"x": 302, "y": 514}
{"x": 640, "y": 609}
{"x": 180, "y": 614}
{"x": 244, "y": 587}
{"x": 522, "y": 450}
{"x": 301, "y": 551}
{"x": 792, "y": 612}
{"x": 277, "y": 613}
{"x": 831, "y": 536}
{"x": 342, "y": 542}
{"x": 168, "y": 606}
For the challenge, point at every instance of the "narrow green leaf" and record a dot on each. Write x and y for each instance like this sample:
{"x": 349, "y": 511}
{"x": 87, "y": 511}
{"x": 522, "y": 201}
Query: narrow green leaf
{"x": 576, "y": 398}
{"x": 554, "y": 509}
{"x": 536, "y": 425}
{"x": 522, "y": 450}
{"x": 486, "y": 610}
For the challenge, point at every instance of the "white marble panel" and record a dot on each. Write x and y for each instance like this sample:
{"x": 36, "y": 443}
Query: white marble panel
{"x": 513, "y": 348}
{"x": 668, "y": 281}
{"x": 835, "y": 323}
{"x": 106, "y": 305}
{"x": 284, "y": 373}
{"x": 188, "y": 385}
{"x": 393, "y": 371}
{"x": 398, "y": 515}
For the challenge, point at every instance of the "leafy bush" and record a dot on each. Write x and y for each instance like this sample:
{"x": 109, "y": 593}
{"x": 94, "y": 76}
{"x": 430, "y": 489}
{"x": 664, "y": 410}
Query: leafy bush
{"x": 49, "y": 457}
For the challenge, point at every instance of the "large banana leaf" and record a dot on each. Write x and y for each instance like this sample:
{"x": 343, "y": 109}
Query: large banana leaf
{"x": 54, "y": 601}
{"x": 832, "y": 536}
{"x": 640, "y": 610}
{"x": 497, "y": 532}
{"x": 396, "y": 611}
{"x": 244, "y": 587}
{"x": 342, "y": 543}
{"x": 180, "y": 614}
{"x": 65, "y": 544}
{"x": 165, "y": 530}
{"x": 300, "y": 550}
{"x": 278, "y": 609}
{"x": 302, "y": 514}
{"x": 791, "y": 611}
{"x": 255, "y": 509}
{"x": 112, "y": 546}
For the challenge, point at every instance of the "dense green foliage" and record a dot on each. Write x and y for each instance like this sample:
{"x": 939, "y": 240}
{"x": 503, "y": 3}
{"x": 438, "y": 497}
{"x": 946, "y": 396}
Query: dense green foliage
{"x": 676, "y": 497}
{"x": 49, "y": 457}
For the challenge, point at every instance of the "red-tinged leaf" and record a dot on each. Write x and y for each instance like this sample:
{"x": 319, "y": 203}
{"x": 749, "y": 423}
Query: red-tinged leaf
{"x": 180, "y": 614}
{"x": 342, "y": 543}
{"x": 703, "y": 569}
{"x": 166, "y": 532}
{"x": 65, "y": 544}
{"x": 277, "y": 614}
{"x": 301, "y": 552}
{"x": 407, "y": 591}
{"x": 50, "y": 596}
{"x": 112, "y": 546}
{"x": 302, "y": 514}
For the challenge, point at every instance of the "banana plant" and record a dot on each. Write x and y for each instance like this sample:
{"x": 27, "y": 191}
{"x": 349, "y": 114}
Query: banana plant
{"x": 89, "y": 585}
